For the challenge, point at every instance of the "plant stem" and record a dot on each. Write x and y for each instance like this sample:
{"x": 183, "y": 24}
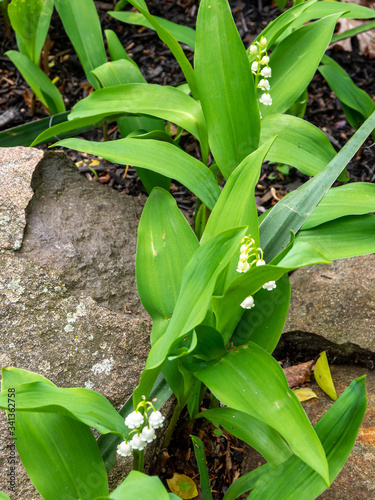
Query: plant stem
{"x": 138, "y": 460}
{"x": 172, "y": 425}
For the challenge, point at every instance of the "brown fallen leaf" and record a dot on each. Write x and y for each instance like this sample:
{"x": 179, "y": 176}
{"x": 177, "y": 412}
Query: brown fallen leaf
{"x": 298, "y": 374}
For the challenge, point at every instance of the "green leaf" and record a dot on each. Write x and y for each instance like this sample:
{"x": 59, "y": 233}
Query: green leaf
{"x": 299, "y": 144}
{"x": 24, "y": 135}
{"x": 226, "y": 86}
{"x": 42, "y": 86}
{"x": 227, "y": 307}
{"x": 253, "y": 431}
{"x": 357, "y": 198}
{"x": 202, "y": 466}
{"x": 245, "y": 483}
{"x": 43, "y": 27}
{"x": 24, "y": 17}
{"x": 346, "y": 90}
{"x": 84, "y": 405}
{"x": 140, "y": 486}
{"x": 323, "y": 376}
{"x": 82, "y": 25}
{"x": 337, "y": 430}
{"x": 115, "y": 48}
{"x": 293, "y": 210}
{"x": 354, "y": 31}
{"x": 326, "y": 8}
{"x": 166, "y": 243}
{"x": 345, "y": 237}
{"x": 113, "y": 73}
{"x": 59, "y": 453}
{"x": 172, "y": 44}
{"x": 198, "y": 282}
{"x": 157, "y": 156}
{"x": 294, "y": 62}
{"x": 181, "y": 33}
{"x": 236, "y": 204}
{"x": 4, "y": 496}
{"x": 264, "y": 324}
{"x": 251, "y": 380}
{"x": 165, "y": 102}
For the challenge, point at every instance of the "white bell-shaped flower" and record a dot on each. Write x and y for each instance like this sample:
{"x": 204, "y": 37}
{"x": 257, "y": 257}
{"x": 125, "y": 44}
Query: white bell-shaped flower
{"x": 248, "y": 303}
{"x": 270, "y": 285}
{"x": 266, "y": 99}
{"x": 134, "y": 420}
{"x": 156, "y": 419}
{"x": 253, "y": 49}
{"x": 137, "y": 443}
{"x": 148, "y": 434}
{"x": 124, "y": 449}
{"x": 266, "y": 72}
{"x": 264, "y": 84}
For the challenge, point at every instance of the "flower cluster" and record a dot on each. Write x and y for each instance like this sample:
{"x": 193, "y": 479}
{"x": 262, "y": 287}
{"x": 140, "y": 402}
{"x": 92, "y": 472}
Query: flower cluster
{"x": 142, "y": 422}
{"x": 251, "y": 256}
{"x": 260, "y": 68}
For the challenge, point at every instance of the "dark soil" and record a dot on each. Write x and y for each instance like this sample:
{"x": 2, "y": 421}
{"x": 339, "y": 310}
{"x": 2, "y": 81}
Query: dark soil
{"x": 224, "y": 452}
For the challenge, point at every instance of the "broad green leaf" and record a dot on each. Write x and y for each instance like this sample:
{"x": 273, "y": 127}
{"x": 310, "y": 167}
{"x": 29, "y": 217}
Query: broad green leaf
{"x": 108, "y": 443}
{"x": 157, "y": 156}
{"x": 166, "y": 243}
{"x": 251, "y": 380}
{"x": 337, "y": 431}
{"x": 43, "y": 27}
{"x": 4, "y": 496}
{"x": 328, "y": 7}
{"x": 123, "y": 72}
{"x": 24, "y": 135}
{"x": 278, "y": 26}
{"x": 226, "y": 86}
{"x": 56, "y": 447}
{"x": 165, "y": 102}
{"x": 172, "y": 44}
{"x": 67, "y": 128}
{"x": 264, "y": 324}
{"x": 181, "y": 33}
{"x": 115, "y": 48}
{"x": 140, "y": 486}
{"x": 236, "y": 205}
{"x": 198, "y": 283}
{"x": 227, "y": 307}
{"x": 253, "y": 431}
{"x": 294, "y": 62}
{"x": 202, "y": 465}
{"x": 113, "y": 73}
{"x": 24, "y": 17}
{"x": 345, "y": 237}
{"x": 322, "y": 375}
{"x": 294, "y": 209}
{"x": 354, "y": 31}
{"x": 357, "y": 198}
{"x": 84, "y": 405}
{"x": 299, "y": 144}
{"x": 245, "y": 483}
{"x": 82, "y": 25}
{"x": 42, "y": 86}
{"x": 346, "y": 90}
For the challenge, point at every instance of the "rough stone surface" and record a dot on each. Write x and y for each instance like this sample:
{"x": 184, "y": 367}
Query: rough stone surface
{"x": 84, "y": 231}
{"x": 336, "y": 302}
{"x": 356, "y": 481}
{"x": 80, "y": 241}
{"x": 16, "y": 169}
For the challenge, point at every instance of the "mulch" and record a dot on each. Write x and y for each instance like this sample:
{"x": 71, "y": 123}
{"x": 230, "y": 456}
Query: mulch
{"x": 224, "y": 452}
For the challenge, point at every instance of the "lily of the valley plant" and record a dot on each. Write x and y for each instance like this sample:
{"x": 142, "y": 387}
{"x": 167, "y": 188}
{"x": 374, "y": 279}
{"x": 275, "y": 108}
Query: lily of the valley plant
{"x": 218, "y": 295}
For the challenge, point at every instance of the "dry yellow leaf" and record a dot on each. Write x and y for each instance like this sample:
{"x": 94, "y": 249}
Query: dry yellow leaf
{"x": 322, "y": 375}
{"x": 304, "y": 394}
{"x": 182, "y": 486}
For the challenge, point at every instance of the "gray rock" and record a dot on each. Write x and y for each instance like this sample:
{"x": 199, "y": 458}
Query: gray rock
{"x": 79, "y": 243}
{"x": 336, "y": 302}
{"x": 16, "y": 169}
{"x": 85, "y": 232}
